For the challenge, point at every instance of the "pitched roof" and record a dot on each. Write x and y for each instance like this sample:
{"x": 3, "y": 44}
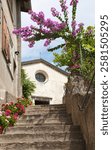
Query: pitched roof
{"x": 36, "y": 61}
{"x": 25, "y": 5}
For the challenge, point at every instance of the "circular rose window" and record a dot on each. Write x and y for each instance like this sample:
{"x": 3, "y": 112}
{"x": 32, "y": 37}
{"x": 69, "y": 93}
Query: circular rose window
{"x": 40, "y": 77}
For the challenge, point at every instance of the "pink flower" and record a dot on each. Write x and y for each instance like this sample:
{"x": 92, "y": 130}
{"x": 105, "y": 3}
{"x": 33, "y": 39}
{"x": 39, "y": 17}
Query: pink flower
{"x": 7, "y": 112}
{"x": 15, "y": 116}
{"x": 8, "y": 117}
{"x": 18, "y": 98}
{"x": 1, "y": 127}
{"x": 11, "y": 103}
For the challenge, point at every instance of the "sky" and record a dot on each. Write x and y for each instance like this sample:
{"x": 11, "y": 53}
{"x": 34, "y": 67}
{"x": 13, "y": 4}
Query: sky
{"x": 85, "y": 14}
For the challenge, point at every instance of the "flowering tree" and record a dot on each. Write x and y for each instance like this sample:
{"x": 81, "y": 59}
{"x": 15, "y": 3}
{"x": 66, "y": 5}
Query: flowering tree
{"x": 78, "y": 50}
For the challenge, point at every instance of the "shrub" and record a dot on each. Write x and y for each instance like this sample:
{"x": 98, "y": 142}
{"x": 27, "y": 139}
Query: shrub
{"x": 11, "y": 111}
{"x": 27, "y": 86}
{"x": 4, "y": 123}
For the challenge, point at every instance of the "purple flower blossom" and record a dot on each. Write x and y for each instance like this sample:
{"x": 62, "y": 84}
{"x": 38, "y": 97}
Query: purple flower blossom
{"x": 38, "y": 18}
{"x": 61, "y": 26}
{"x": 24, "y": 32}
{"x": 74, "y": 33}
{"x": 76, "y": 56}
{"x": 72, "y": 2}
{"x": 73, "y": 24}
{"x": 80, "y": 25}
{"x": 89, "y": 32}
{"x": 76, "y": 1}
{"x": 55, "y": 13}
{"x": 63, "y": 5}
{"x": 78, "y": 30}
{"x": 48, "y": 23}
{"x": 16, "y": 31}
{"x": 30, "y": 12}
{"x": 75, "y": 66}
{"x": 47, "y": 42}
{"x": 31, "y": 44}
{"x": 45, "y": 31}
{"x": 54, "y": 25}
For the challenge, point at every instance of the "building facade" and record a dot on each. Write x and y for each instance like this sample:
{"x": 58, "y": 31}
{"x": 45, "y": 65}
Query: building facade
{"x": 10, "y": 48}
{"x": 49, "y": 79}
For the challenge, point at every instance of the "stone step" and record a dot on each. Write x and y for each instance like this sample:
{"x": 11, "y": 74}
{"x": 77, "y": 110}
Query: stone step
{"x": 44, "y": 117}
{"x": 42, "y": 123}
{"x": 42, "y": 111}
{"x": 42, "y": 128}
{"x": 42, "y": 120}
{"x": 40, "y": 137}
{"x": 50, "y": 106}
{"x": 51, "y": 145}
{"x": 45, "y": 107}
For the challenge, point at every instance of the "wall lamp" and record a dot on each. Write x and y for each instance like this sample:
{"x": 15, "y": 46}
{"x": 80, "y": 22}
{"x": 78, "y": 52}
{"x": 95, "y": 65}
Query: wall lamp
{"x": 17, "y": 52}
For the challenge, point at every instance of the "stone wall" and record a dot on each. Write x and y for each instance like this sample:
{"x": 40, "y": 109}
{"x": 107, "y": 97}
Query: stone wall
{"x": 6, "y": 97}
{"x": 81, "y": 107}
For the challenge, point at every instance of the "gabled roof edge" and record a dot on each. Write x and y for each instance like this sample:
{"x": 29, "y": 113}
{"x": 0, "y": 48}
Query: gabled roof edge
{"x": 46, "y": 63}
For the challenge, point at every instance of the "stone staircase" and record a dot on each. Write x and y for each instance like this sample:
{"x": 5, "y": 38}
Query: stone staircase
{"x": 43, "y": 127}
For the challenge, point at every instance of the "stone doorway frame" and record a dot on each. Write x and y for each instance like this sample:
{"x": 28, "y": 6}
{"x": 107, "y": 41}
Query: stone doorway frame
{"x": 40, "y": 100}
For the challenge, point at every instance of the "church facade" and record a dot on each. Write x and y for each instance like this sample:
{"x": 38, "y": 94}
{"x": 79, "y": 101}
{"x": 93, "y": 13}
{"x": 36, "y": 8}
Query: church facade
{"x": 50, "y": 81}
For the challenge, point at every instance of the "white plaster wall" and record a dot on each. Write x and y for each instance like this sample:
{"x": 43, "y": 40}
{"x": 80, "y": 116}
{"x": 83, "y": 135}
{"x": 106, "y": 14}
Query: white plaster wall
{"x": 53, "y": 88}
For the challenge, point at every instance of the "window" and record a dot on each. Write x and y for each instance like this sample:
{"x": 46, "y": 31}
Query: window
{"x": 5, "y": 40}
{"x": 40, "y": 77}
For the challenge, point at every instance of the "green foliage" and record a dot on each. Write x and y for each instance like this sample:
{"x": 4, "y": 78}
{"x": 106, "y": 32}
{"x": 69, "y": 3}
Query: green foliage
{"x": 24, "y": 102}
{"x": 79, "y": 53}
{"x": 27, "y": 86}
{"x": 3, "y": 121}
{"x": 11, "y": 120}
{"x": 10, "y": 112}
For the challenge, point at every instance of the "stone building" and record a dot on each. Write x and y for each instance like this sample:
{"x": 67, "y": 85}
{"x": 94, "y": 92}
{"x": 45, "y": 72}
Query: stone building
{"x": 49, "y": 80}
{"x": 10, "y": 48}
